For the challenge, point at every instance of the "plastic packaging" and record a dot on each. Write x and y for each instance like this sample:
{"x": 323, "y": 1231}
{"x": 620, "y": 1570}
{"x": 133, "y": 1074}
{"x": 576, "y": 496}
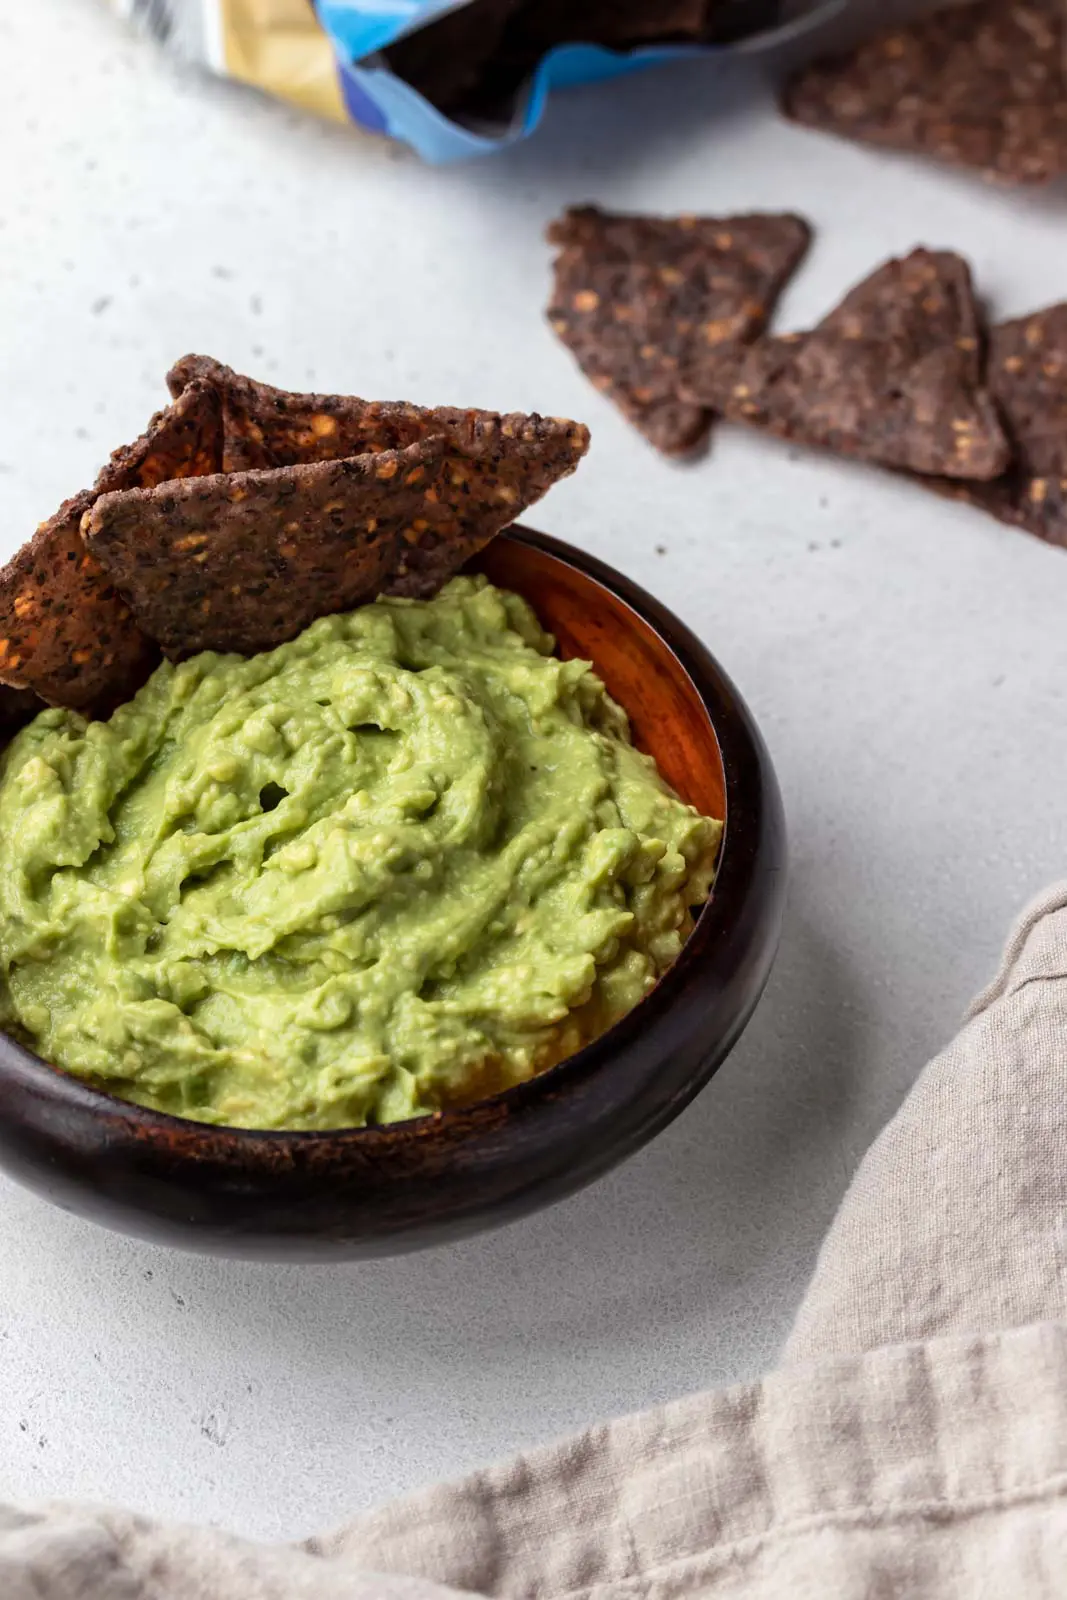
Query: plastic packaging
{"x": 327, "y": 58}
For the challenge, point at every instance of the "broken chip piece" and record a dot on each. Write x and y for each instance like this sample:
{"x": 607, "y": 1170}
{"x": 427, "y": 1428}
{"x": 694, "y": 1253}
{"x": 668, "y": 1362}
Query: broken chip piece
{"x": 65, "y": 632}
{"x": 639, "y": 300}
{"x": 893, "y": 375}
{"x": 1027, "y": 373}
{"x": 981, "y": 85}
{"x": 244, "y": 561}
{"x": 495, "y": 466}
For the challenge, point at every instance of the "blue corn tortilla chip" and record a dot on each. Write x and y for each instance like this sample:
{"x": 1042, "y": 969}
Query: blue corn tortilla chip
{"x": 243, "y": 561}
{"x": 495, "y": 465}
{"x": 894, "y": 374}
{"x": 981, "y": 86}
{"x": 65, "y": 631}
{"x": 640, "y": 301}
{"x": 1027, "y": 375}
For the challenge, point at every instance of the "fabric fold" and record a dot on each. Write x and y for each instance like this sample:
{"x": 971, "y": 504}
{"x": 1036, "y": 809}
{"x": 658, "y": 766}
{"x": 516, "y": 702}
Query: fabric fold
{"x": 957, "y": 1217}
{"x": 941, "y": 1468}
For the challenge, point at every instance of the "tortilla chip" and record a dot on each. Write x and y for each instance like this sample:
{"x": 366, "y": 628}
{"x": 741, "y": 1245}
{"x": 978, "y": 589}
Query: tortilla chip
{"x": 64, "y": 631}
{"x": 69, "y": 635}
{"x": 639, "y": 300}
{"x": 892, "y": 375}
{"x": 1028, "y": 378}
{"x": 495, "y": 466}
{"x": 982, "y": 86}
{"x": 244, "y": 561}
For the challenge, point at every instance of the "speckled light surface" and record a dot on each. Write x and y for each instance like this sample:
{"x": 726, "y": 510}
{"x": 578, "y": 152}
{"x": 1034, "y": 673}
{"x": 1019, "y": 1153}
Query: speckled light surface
{"x": 905, "y": 657}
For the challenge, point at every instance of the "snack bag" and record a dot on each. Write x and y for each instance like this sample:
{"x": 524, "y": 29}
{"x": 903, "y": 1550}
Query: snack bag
{"x": 454, "y": 78}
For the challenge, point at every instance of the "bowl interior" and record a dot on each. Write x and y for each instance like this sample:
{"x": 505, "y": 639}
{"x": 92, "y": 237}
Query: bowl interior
{"x": 361, "y": 1192}
{"x": 668, "y": 719}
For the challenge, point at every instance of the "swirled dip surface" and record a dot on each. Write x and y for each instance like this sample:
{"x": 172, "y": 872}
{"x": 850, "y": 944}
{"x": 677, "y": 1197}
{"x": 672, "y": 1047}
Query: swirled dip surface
{"x": 405, "y": 860}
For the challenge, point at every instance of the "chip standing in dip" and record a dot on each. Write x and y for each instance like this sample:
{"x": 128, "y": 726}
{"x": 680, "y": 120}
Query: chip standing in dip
{"x": 398, "y": 863}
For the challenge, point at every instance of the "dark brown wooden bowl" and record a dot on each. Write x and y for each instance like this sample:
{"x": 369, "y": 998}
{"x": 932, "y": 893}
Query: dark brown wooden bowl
{"x": 379, "y": 1191}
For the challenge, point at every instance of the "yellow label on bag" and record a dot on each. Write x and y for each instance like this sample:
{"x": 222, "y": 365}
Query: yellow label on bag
{"x": 278, "y": 46}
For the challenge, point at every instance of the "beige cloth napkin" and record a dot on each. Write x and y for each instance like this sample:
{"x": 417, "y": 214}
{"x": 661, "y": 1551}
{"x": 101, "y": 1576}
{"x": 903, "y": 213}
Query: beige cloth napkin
{"x": 914, "y": 1442}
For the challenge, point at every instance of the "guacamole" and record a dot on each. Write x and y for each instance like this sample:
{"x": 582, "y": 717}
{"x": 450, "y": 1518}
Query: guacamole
{"x": 401, "y": 862}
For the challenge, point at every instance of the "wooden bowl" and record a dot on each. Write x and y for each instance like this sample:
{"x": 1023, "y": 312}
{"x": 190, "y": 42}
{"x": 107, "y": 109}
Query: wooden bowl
{"x": 380, "y": 1191}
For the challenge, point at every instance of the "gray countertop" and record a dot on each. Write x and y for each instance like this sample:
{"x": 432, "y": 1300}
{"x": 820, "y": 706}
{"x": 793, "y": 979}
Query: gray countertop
{"x": 905, "y": 657}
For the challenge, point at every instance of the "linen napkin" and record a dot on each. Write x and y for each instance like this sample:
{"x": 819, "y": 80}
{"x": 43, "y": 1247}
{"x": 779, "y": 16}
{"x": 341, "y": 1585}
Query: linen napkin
{"x": 914, "y": 1441}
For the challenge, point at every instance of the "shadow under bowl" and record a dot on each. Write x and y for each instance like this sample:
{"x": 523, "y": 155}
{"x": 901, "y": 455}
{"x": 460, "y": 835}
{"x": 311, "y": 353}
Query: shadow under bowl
{"x": 380, "y": 1191}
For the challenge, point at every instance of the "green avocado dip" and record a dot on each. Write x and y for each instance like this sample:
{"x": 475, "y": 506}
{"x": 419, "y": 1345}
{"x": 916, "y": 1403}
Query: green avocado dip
{"x": 404, "y": 861}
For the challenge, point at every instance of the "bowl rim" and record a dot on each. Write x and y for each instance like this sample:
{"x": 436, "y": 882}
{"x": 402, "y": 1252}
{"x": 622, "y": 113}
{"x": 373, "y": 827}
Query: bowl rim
{"x": 736, "y": 869}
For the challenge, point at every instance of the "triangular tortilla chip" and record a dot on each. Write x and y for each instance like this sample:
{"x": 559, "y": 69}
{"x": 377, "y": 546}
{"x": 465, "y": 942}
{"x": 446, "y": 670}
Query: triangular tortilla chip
{"x": 893, "y": 375}
{"x": 495, "y": 466}
{"x": 639, "y": 300}
{"x": 1028, "y": 379}
{"x": 981, "y": 86}
{"x": 244, "y": 561}
{"x": 64, "y": 631}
